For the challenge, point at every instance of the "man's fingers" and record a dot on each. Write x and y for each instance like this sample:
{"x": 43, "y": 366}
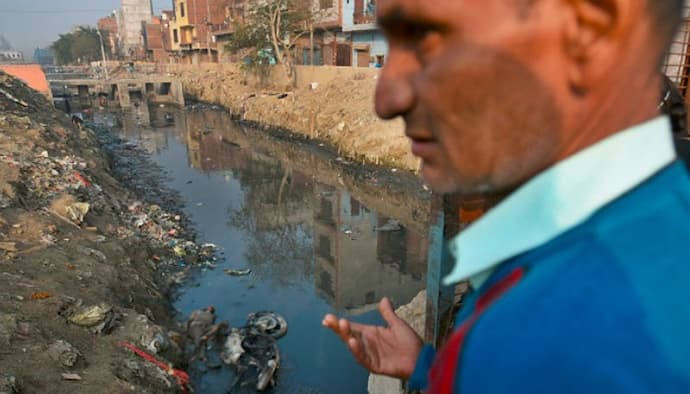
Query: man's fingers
{"x": 387, "y": 312}
{"x": 341, "y": 327}
{"x": 357, "y": 349}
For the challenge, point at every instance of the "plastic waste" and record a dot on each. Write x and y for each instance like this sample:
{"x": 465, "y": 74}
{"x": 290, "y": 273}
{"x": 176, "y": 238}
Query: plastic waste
{"x": 236, "y": 272}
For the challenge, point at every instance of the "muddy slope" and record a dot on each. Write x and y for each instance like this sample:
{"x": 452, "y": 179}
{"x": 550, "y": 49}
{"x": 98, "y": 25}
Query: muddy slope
{"x": 83, "y": 264}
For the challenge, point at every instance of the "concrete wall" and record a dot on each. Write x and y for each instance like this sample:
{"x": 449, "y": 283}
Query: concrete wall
{"x": 305, "y": 74}
{"x": 134, "y": 12}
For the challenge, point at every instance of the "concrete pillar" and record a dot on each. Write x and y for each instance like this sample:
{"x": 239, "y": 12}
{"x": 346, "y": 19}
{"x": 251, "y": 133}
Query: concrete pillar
{"x": 123, "y": 93}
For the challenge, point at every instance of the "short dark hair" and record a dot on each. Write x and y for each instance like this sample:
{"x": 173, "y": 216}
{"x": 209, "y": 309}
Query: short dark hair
{"x": 667, "y": 14}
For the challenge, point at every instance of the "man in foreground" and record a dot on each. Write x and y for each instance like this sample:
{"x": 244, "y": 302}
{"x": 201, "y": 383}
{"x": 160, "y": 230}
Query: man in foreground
{"x": 580, "y": 273}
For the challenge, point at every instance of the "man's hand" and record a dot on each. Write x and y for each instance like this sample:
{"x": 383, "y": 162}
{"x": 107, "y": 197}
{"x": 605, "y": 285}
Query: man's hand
{"x": 390, "y": 351}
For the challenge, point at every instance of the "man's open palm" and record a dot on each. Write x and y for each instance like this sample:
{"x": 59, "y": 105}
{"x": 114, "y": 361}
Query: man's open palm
{"x": 391, "y": 350}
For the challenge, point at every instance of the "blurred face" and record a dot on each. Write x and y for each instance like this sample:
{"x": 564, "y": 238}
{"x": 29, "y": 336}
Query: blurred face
{"x": 477, "y": 84}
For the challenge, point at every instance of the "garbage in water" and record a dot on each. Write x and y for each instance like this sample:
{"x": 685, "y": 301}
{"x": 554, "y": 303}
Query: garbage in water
{"x": 236, "y": 272}
{"x": 253, "y": 351}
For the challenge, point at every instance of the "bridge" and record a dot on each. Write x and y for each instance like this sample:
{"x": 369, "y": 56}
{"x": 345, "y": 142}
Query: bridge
{"x": 122, "y": 93}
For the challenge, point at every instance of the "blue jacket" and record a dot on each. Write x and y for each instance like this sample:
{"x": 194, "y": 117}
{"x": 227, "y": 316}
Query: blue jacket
{"x": 603, "y": 308}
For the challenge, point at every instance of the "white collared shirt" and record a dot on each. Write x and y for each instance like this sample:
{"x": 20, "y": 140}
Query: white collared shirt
{"x": 561, "y": 198}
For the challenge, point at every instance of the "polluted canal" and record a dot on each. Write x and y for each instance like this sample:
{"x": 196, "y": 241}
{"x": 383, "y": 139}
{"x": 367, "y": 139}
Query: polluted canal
{"x": 308, "y": 232}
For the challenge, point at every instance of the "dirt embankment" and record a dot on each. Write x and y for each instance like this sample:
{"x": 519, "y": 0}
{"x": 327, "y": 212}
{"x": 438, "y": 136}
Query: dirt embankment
{"x": 340, "y": 110}
{"x": 83, "y": 265}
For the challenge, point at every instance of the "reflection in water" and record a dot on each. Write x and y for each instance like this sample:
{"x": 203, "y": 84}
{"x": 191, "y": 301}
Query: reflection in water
{"x": 317, "y": 237}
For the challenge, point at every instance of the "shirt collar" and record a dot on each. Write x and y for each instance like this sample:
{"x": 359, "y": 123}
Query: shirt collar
{"x": 561, "y": 197}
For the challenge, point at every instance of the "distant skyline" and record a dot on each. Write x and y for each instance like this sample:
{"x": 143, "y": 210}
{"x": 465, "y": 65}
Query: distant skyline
{"x": 28, "y": 25}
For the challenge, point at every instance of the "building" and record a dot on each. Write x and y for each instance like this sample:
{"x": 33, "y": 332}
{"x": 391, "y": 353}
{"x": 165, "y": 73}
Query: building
{"x": 332, "y": 47}
{"x": 129, "y": 24}
{"x": 153, "y": 40}
{"x": 191, "y": 30}
{"x": 43, "y": 57}
{"x": 108, "y": 28}
{"x": 11, "y": 56}
{"x": 369, "y": 47}
{"x": 221, "y": 34}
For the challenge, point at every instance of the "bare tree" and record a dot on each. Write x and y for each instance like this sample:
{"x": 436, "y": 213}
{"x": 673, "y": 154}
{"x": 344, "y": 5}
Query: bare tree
{"x": 271, "y": 30}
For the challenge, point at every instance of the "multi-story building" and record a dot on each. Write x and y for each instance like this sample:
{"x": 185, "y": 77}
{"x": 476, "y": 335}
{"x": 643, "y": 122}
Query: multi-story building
{"x": 154, "y": 33}
{"x": 369, "y": 47}
{"x": 129, "y": 23}
{"x": 331, "y": 45}
{"x": 108, "y": 28}
{"x": 11, "y": 56}
{"x": 44, "y": 57}
{"x": 191, "y": 30}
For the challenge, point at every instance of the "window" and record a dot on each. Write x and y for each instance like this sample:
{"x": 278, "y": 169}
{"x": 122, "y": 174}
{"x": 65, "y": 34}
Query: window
{"x": 182, "y": 10}
{"x": 176, "y": 36}
{"x": 325, "y": 4}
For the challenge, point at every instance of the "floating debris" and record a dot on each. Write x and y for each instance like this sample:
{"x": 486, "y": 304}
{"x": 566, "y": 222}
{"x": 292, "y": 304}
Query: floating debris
{"x": 253, "y": 350}
{"x": 236, "y": 272}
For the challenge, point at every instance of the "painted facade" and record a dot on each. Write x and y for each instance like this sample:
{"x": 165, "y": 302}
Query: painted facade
{"x": 369, "y": 47}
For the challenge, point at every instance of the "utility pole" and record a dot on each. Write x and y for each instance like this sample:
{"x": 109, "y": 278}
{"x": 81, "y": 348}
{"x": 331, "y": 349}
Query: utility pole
{"x": 105, "y": 65}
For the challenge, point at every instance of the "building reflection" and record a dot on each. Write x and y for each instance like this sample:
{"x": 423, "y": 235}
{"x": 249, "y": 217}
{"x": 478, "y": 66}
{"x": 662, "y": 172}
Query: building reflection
{"x": 302, "y": 223}
{"x": 362, "y": 256}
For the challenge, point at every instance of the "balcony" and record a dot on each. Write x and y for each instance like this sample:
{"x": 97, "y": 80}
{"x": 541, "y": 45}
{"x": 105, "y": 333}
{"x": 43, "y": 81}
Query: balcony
{"x": 365, "y": 17}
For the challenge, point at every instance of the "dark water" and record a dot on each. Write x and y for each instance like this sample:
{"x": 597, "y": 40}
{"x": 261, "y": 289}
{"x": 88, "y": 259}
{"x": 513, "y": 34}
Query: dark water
{"x": 311, "y": 227}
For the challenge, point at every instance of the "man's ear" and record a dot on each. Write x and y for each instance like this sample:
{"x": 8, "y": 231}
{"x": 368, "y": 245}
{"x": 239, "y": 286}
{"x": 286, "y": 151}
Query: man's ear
{"x": 593, "y": 32}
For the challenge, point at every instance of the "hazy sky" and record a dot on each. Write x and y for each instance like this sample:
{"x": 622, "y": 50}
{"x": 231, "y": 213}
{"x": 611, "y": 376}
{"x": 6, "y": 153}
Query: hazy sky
{"x": 28, "y": 24}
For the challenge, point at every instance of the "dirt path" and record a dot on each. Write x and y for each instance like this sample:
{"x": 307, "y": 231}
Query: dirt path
{"x": 84, "y": 265}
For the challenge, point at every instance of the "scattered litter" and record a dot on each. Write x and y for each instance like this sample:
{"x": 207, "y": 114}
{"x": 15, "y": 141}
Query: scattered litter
{"x": 40, "y": 295}
{"x": 236, "y": 272}
{"x": 8, "y": 246}
{"x": 9, "y": 385}
{"x": 14, "y": 99}
{"x": 64, "y": 353}
{"x": 179, "y": 251}
{"x": 71, "y": 377}
{"x": 180, "y": 376}
{"x": 92, "y": 252}
{"x": 78, "y": 211}
{"x": 100, "y": 319}
{"x": 81, "y": 179}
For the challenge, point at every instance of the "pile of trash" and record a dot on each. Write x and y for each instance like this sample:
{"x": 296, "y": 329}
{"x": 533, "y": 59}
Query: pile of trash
{"x": 78, "y": 243}
{"x": 253, "y": 350}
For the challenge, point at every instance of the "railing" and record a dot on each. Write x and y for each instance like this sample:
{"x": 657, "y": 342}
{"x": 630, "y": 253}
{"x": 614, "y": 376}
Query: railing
{"x": 677, "y": 64}
{"x": 365, "y": 17}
